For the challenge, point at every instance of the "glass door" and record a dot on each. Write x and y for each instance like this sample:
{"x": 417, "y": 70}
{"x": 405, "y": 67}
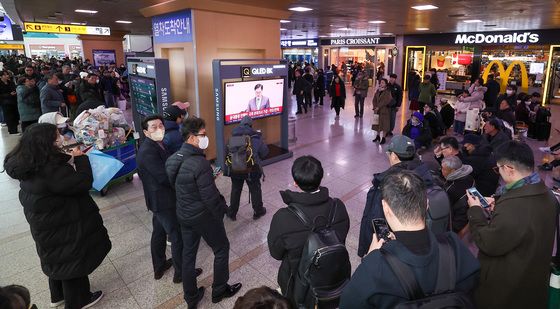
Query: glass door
{"x": 551, "y": 93}
{"x": 415, "y": 61}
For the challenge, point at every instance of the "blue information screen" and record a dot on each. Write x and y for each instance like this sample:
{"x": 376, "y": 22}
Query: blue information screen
{"x": 174, "y": 27}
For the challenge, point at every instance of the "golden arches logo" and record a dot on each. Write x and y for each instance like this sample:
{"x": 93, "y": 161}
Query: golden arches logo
{"x": 505, "y": 73}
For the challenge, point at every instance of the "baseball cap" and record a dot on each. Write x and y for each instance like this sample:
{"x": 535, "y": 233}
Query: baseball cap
{"x": 472, "y": 139}
{"x": 402, "y": 145}
{"x": 55, "y": 118}
{"x": 173, "y": 112}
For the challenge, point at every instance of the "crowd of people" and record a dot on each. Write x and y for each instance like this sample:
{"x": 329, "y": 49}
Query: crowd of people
{"x": 444, "y": 230}
{"x": 30, "y": 88}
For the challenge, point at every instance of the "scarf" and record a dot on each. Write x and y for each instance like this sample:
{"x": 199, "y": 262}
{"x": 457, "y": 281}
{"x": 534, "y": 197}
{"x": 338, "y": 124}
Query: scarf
{"x": 529, "y": 180}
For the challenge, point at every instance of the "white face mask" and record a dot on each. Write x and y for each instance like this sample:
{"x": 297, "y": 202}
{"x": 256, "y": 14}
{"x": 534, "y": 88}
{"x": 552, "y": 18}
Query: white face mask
{"x": 509, "y": 92}
{"x": 527, "y": 103}
{"x": 157, "y": 135}
{"x": 415, "y": 122}
{"x": 203, "y": 142}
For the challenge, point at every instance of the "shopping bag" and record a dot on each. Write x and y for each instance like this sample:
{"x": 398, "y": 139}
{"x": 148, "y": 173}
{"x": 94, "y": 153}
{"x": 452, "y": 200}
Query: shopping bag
{"x": 375, "y": 120}
{"x": 472, "y": 122}
{"x": 103, "y": 167}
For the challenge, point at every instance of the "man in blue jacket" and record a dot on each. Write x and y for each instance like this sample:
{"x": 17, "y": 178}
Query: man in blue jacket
{"x": 374, "y": 283}
{"x": 253, "y": 178}
{"x": 51, "y": 95}
{"x": 160, "y": 199}
{"x": 173, "y": 117}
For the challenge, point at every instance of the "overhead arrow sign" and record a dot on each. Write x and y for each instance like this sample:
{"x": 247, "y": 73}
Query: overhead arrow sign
{"x": 67, "y": 29}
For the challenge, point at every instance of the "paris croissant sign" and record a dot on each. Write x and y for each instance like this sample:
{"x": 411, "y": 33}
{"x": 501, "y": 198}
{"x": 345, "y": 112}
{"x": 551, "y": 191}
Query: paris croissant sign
{"x": 66, "y": 29}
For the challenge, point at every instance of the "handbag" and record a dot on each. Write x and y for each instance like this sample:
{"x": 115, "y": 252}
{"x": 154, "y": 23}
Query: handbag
{"x": 375, "y": 122}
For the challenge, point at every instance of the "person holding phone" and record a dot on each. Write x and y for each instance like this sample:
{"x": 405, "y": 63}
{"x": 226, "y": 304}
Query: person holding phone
{"x": 374, "y": 284}
{"x": 516, "y": 242}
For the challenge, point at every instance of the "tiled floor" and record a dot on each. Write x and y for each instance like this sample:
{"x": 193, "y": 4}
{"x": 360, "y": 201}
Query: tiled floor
{"x": 343, "y": 146}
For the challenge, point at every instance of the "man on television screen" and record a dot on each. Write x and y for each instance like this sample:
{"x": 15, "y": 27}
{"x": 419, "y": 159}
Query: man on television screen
{"x": 259, "y": 101}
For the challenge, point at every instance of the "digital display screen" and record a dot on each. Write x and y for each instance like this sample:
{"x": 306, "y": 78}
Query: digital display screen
{"x": 144, "y": 94}
{"x": 536, "y": 68}
{"x": 6, "y": 33}
{"x": 257, "y": 99}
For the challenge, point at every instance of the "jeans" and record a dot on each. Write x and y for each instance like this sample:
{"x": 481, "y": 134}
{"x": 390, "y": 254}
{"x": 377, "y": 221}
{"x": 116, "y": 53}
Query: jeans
{"x": 254, "y": 183}
{"x": 25, "y": 124}
{"x": 212, "y": 230}
{"x": 75, "y": 292}
{"x": 165, "y": 223}
{"x": 300, "y": 104}
{"x": 458, "y": 127}
{"x": 359, "y": 105}
{"x": 109, "y": 99}
{"x": 393, "y": 118}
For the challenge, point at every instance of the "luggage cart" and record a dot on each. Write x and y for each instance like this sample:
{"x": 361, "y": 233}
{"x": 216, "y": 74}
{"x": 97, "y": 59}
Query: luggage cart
{"x": 126, "y": 153}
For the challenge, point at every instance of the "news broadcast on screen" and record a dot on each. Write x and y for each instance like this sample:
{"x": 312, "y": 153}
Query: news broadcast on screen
{"x": 258, "y": 99}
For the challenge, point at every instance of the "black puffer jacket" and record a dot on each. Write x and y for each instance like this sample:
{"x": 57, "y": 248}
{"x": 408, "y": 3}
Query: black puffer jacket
{"x": 65, "y": 222}
{"x": 482, "y": 162}
{"x": 190, "y": 174}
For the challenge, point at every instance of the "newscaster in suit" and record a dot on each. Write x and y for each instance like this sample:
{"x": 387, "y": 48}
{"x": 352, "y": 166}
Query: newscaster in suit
{"x": 259, "y": 101}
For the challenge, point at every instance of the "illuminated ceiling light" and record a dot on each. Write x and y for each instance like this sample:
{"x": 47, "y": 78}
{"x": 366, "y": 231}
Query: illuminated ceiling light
{"x": 85, "y": 11}
{"x": 472, "y": 21}
{"x": 377, "y": 22}
{"x": 123, "y": 21}
{"x": 78, "y": 24}
{"x": 425, "y": 7}
{"x": 388, "y": 33}
{"x": 300, "y": 9}
{"x": 344, "y": 29}
{"x": 283, "y": 21}
{"x": 283, "y": 29}
{"x": 422, "y": 29}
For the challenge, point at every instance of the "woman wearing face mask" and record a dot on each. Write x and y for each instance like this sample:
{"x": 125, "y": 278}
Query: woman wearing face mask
{"x": 417, "y": 130}
{"x": 523, "y": 109}
{"x": 382, "y": 100}
{"x": 338, "y": 95}
{"x": 65, "y": 222}
{"x": 200, "y": 211}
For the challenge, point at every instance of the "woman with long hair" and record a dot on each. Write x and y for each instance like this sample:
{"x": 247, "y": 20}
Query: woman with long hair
{"x": 337, "y": 92}
{"x": 64, "y": 220}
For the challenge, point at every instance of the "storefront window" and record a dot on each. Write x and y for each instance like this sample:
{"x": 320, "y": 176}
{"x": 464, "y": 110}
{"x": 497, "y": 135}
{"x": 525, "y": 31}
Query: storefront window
{"x": 301, "y": 55}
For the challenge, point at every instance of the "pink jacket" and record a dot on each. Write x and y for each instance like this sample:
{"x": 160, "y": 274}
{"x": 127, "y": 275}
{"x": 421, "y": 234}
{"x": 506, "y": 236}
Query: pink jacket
{"x": 476, "y": 100}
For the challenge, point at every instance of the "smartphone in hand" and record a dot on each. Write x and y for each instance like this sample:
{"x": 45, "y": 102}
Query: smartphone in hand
{"x": 483, "y": 202}
{"x": 381, "y": 229}
{"x": 216, "y": 171}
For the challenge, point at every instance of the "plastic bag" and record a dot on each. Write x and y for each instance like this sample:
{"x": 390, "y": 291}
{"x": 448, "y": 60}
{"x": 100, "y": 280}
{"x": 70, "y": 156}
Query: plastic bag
{"x": 103, "y": 167}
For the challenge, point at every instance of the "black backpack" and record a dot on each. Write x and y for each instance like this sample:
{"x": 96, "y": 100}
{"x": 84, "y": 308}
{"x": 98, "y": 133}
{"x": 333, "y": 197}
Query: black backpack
{"x": 240, "y": 158}
{"x": 439, "y": 210}
{"x": 324, "y": 268}
{"x": 444, "y": 295}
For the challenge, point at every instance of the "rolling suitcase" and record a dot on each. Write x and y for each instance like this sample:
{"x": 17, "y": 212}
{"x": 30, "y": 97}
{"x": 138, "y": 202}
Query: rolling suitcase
{"x": 543, "y": 131}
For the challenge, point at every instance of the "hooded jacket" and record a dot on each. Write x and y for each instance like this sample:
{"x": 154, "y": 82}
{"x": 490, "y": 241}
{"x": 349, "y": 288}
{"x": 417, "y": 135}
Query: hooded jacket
{"x": 173, "y": 138}
{"x": 287, "y": 235}
{"x": 260, "y": 148}
{"x": 456, "y": 185}
{"x": 475, "y": 100}
{"x": 190, "y": 174}
{"x": 373, "y": 208}
{"x": 29, "y": 103}
{"x": 64, "y": 220}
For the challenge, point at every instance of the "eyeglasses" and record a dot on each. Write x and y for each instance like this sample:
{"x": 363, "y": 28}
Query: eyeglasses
{"x": 496, "y": 168}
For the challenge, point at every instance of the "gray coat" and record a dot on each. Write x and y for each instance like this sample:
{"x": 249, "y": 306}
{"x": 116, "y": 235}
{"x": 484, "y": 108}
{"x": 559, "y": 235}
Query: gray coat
{"x": 51, "y": 98}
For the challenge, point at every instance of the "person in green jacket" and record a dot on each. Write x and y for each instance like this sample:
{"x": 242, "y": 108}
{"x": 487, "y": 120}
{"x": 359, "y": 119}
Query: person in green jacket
{"x": 29, "y": 102}
{"x": 427, "y": 92}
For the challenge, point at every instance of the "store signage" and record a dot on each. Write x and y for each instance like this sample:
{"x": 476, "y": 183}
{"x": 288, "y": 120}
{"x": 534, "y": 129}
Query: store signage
{"x": 11, "y": 46}
{"x": 262, "y": 70}
{"x": 464, "y": 59}
{"x": 358, "y": 41}
{"x": 66, "y": 29}
{"x": 505, "y": 73}
{"x": 175, "y": 27}
{"x": 481, "y": 38}
{"x": 299, "y": 43}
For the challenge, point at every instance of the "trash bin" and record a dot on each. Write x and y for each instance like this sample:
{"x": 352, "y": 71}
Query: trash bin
{"x": 292, "y": 138}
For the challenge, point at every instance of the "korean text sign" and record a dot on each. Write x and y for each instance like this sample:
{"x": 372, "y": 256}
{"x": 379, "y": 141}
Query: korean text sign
{"x": 175, "y": 27}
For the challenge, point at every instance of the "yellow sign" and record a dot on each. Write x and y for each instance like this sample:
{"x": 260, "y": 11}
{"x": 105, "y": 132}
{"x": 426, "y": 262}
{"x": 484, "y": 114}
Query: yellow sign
{"x": 11, "y": 46}
{"x": 67, "y": 29}
{"x": 505, "y": 73}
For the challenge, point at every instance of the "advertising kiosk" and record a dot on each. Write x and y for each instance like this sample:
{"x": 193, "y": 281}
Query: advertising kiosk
{"x": 149, "y": 87}
{"x": 253, "y": 87}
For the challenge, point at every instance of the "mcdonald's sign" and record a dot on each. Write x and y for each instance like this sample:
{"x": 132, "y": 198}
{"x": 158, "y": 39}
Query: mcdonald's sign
{"x": 505, "y": 73}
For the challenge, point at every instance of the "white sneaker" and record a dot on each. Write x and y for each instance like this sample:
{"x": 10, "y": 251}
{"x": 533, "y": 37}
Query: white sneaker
{"x": 544, "y": 149}
{"x": 95, "y": 298}
{"x": 54, "y": 305}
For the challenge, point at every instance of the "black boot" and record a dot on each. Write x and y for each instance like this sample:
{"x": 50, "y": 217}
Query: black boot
{"x": 376, "y": 139}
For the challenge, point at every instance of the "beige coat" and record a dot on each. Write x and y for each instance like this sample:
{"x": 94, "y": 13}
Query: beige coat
{"x": 382, "y": 101}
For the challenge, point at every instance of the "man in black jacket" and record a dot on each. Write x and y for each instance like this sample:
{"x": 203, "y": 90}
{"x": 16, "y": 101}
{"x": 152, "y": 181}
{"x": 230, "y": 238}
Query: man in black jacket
{"x": 478, "y": 155}
{"x": 89, "y": 88}
{"x": 457, "y": 180}
{"x": 492, "y": 92}
{"x": 397, "y": 93}
{"x": 160, "y": 198}
{"x": 287, "y": 235}
{"x": 253, "y": 179}
{"x": 374, "y": 284}
{"x": 308, "y": 90}
{"x": 300, "y": 86}
{"x": 200, "y": 211}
